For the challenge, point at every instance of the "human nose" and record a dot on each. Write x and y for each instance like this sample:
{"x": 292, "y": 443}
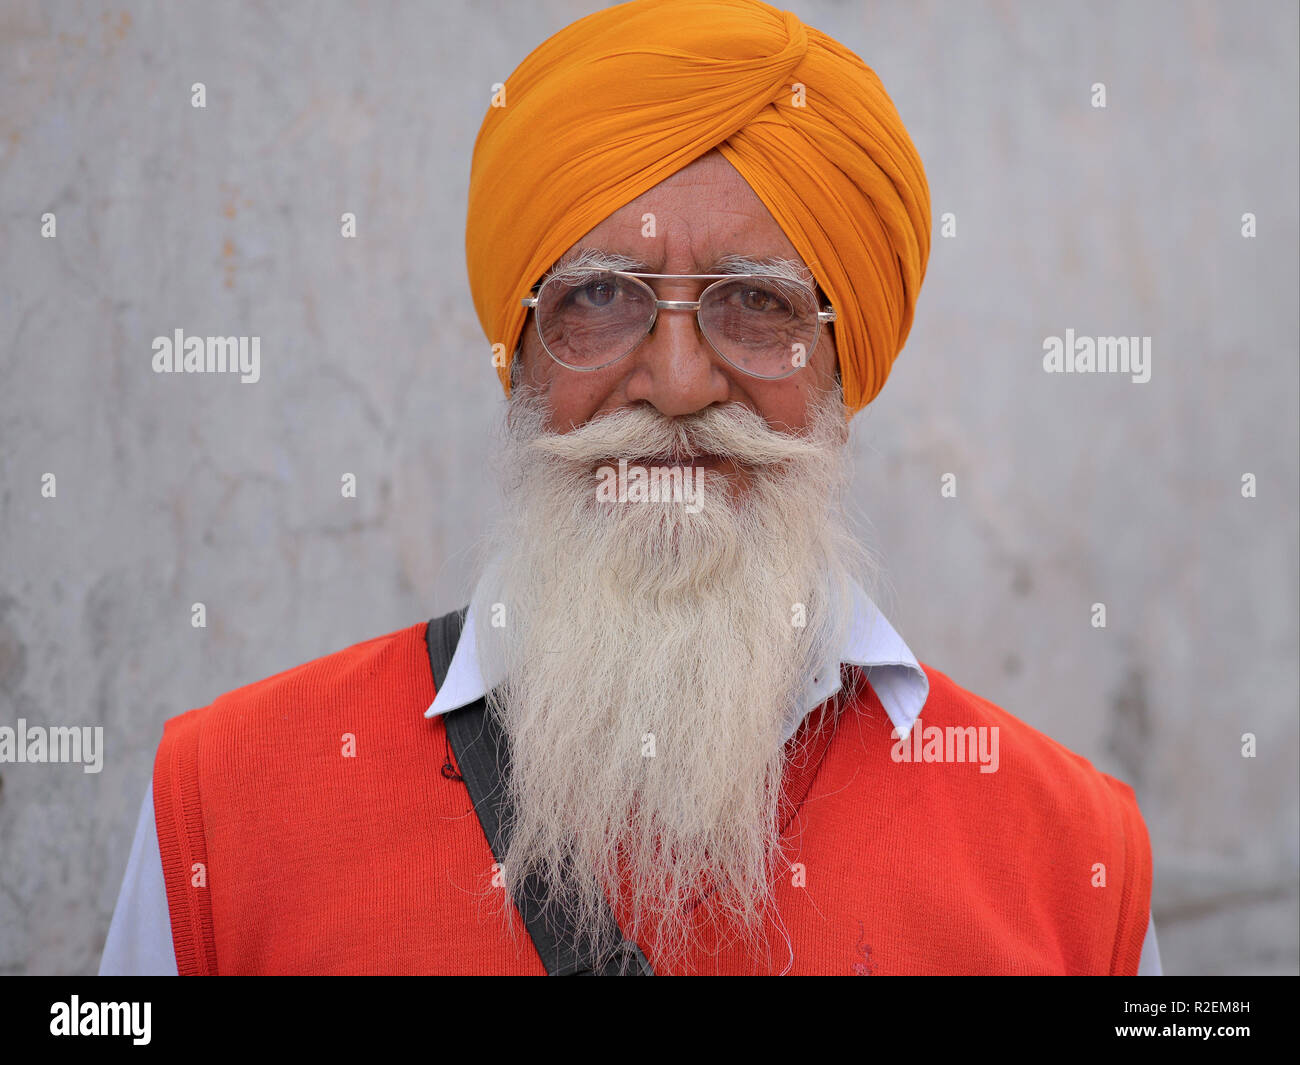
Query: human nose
{"x": 675, "y": 368}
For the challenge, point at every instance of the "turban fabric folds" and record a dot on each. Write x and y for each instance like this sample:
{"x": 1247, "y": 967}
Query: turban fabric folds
{"x": 614, "y": 103}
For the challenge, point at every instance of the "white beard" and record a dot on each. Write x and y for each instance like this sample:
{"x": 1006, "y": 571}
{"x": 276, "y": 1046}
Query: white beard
{"x": 654, "y": 660}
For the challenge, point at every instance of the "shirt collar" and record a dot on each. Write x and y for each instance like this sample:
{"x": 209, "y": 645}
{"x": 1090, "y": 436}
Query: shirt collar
{"x": 893, "y": 671}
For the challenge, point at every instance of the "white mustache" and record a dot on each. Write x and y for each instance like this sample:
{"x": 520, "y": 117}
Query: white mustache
{"x": 732, "y": 432}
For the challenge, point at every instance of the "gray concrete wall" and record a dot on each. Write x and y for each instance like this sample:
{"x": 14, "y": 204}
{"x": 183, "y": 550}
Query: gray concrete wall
{"x": 1071, "y": 490}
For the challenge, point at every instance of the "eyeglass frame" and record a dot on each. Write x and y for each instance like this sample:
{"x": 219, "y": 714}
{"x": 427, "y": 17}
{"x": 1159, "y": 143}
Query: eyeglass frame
{"x": 825, "y": 315}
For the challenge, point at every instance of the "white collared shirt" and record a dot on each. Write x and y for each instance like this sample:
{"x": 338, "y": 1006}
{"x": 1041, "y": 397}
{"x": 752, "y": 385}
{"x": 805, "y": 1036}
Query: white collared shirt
{"x": 896, "y": 676}
{"x": 140, "y": 938}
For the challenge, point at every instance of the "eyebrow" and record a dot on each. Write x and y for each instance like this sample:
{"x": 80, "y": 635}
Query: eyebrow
{"x": 768, "y": 265}
{"x": 595, "y": 259}
{"x": 599, "y": 259}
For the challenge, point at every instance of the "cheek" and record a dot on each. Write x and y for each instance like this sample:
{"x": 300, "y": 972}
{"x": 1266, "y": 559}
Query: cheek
{"x": 573, "y": 398}
{"x": 794, "y": 406}
{"x": 536, "y": 368}
{"x": 820, "y": 376}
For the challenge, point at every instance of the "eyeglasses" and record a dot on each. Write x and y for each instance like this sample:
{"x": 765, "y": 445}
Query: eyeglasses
{"x": 763, "y": 325}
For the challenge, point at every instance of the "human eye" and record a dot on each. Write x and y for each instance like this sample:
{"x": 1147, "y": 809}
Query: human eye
{"x": 597, "y": 291}
{"x": 761, "y": 297}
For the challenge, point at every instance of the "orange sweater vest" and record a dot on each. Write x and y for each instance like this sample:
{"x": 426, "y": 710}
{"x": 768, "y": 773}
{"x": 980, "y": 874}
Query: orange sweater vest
{"x": 305, "y": 827}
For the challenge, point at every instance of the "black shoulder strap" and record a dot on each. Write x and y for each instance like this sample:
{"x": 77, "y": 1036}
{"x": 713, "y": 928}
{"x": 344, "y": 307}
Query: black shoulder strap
{"x": 483, "y": 757}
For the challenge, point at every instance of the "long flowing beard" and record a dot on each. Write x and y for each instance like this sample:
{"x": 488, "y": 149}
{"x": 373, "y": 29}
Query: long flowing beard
{"x": 654, "y": 659}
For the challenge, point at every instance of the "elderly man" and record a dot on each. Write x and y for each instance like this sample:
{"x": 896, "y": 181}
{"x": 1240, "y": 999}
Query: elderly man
{"x": 672, "y": 733}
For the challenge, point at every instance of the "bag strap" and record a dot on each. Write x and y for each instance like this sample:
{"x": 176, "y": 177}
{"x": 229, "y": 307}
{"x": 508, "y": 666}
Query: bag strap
{"x": 483, "y": 756}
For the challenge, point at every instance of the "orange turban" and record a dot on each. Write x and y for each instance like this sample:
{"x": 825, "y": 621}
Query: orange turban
{"x": 617, "y": 101}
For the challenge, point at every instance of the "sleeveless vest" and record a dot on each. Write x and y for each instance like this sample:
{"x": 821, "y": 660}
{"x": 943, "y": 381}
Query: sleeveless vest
{"x": 305, "y": 826}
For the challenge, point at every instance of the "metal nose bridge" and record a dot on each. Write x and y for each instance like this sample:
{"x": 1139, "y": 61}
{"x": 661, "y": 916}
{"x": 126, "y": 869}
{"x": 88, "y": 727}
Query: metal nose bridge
{"x": 680, "y": 305}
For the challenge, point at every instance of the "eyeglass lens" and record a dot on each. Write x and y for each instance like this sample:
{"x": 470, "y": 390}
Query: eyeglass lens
{"x": 764, "y": 326}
